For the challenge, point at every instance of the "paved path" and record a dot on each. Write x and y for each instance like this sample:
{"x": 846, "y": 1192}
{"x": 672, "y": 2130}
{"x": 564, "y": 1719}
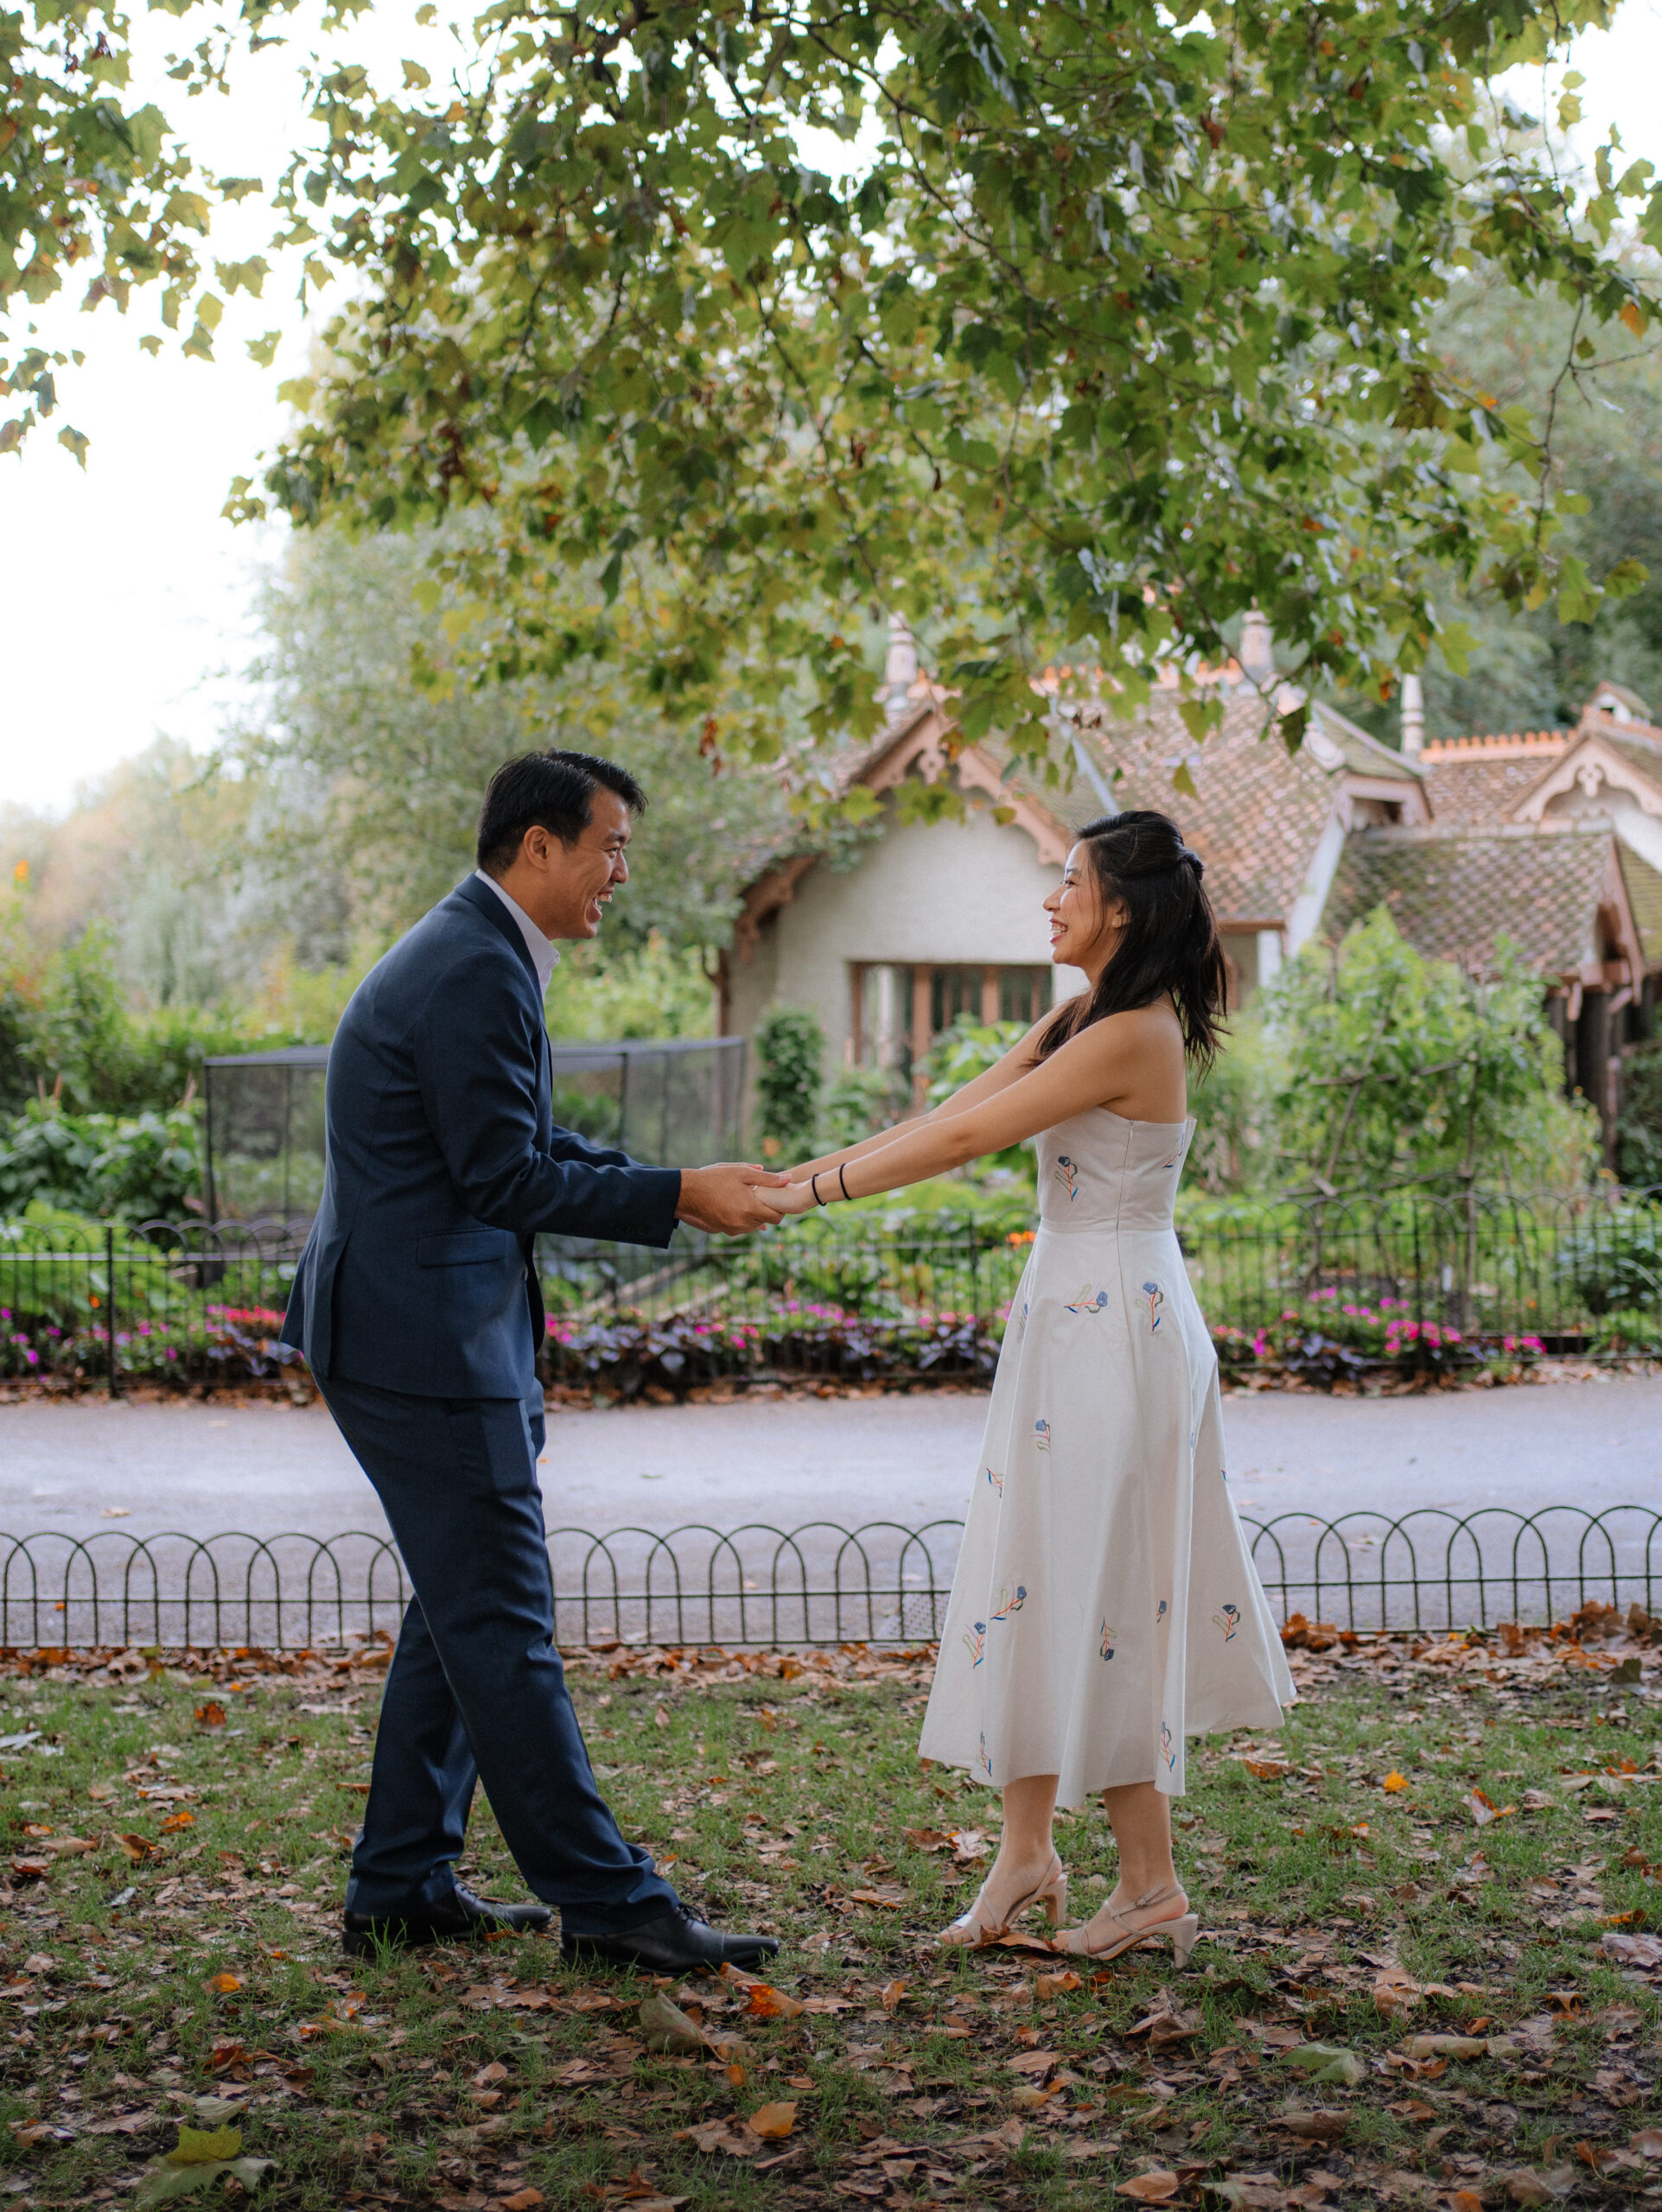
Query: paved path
{"x": 907, "y": 1459}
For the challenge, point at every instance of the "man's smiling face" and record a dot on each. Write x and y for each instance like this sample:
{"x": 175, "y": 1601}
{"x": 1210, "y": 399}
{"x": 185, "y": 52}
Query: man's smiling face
{"x": 564, "y": 889}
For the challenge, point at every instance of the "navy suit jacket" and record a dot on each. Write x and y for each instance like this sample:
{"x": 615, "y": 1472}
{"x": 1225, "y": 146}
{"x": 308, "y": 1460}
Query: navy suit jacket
{"x": 443, "y": 1162}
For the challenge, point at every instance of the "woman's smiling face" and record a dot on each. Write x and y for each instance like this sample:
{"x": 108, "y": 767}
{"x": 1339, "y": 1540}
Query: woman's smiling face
{"x": 1082, "y": 931}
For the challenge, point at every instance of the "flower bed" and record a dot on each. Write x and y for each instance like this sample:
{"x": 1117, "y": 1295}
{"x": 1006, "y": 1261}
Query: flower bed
{"x": 629, "y": 1351}
{"x": 228, "y": 1344}
{"x": 1327, "y": 1338}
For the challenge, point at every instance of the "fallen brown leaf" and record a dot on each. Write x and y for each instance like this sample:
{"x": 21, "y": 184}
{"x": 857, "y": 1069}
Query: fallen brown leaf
{"x": 1316, "y": 2126}
{"x": 1046, "y": 1986}
{"x": 774, "y": 2122}
{"x": 763, "y": 2002}
{"x": 1150, "y": 2189}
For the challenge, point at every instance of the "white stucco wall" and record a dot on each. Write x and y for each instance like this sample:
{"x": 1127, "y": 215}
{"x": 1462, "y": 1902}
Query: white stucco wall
{"x": 968, "y": 891}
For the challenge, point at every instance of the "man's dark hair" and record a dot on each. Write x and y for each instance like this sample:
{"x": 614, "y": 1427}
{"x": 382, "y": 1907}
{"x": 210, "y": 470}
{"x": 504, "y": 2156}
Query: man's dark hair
{"x": 552, "y": 791}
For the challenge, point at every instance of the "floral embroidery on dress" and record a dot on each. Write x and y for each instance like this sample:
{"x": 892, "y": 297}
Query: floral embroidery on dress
{"x": 1228, "y": 1619}
{"x": 1156, "y": 1299}
{"x": 985, "y": 1763}
{"x": 976, "y": 1644}
{"x": 1168, "y": 1749}
{"x": 1067, "y": 1175}
{"x": 1009, "y": 1605}
{"x": 1088, "y": 1301}
{"x": 1109, "y": 1636}
{"x": 995, "y": 1481}
{"x": 1041, "y": 1436}
{"x": 1160, "y": 1611}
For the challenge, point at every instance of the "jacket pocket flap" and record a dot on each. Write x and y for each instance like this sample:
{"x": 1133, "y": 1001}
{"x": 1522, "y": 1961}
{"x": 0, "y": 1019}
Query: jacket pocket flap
{"x": 466, "y": 1248}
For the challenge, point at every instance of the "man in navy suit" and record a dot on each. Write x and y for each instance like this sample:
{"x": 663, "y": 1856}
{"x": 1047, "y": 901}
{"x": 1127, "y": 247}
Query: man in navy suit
{"x": 417, "y": 1305}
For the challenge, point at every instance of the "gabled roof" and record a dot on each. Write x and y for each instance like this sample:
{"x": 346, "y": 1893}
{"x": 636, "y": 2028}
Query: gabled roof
{"x": 1474, "y": 779}
{"x": 1258, "y": 816}
{"x": 1453, "y": 891}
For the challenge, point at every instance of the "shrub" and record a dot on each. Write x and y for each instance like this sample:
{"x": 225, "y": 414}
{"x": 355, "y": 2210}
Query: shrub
{"x": 790, "y": 1055}
{"x": 139, "y": 1167}
{"x": 861, "y": 1101}
{"x": 1639, "y": 1128}
{"x": 1615, "y": 1259}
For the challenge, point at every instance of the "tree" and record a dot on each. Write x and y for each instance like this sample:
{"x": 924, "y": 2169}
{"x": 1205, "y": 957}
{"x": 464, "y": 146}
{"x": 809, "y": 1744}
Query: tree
{"x": 1526, "y": 669}
{"x": 1398, "y": 1070}
{"x": 1120, "y": 324}
{"x": 94, "y": 191}
{"x": 374, "y": 756}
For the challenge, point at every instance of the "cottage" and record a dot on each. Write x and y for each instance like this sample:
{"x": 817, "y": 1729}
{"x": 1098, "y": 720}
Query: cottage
{"x": 1553, "y": 838}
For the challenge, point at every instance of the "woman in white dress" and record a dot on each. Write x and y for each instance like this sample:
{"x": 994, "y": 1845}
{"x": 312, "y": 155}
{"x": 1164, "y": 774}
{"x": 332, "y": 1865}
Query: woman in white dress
{"x": 1106, "y": 1606}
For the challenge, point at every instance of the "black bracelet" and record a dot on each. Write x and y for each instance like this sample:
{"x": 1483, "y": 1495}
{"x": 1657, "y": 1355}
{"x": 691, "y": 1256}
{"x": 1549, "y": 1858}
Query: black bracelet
{"x": 839, "y": 1178}
{"x": 813, "y": 1185}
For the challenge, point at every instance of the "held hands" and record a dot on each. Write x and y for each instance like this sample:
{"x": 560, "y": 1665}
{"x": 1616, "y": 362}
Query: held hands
{"x": 732, "y": 1199}
{"x": 799, "y": 1198}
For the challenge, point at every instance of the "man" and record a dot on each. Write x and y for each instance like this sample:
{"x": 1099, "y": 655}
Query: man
{"x": 417, "y": 1308}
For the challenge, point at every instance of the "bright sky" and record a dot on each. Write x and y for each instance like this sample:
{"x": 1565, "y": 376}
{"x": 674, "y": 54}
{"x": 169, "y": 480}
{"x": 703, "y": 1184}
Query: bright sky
{"x": 127, "y": 600}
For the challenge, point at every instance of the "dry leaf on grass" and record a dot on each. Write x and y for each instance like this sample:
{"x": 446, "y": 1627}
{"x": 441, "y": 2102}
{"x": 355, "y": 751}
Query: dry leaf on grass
{"x": 1642, "y": 1951}
{"x": 773, "y": 2123}
{"x": 890, "y": 1995}
{"x": 223, "y": 1984}
{"x": 667, "y": 2028}
{"x": 1394, "y": 1782}
{"x": 1327, "y": 2061}
{"x": 1647, "y": 2142}
{"x": 1266, "y": 1770}
{"x": 1046, "y": 1986}
{"x": 763, "y": 2002}
{"x": 1536, "y": 2185}
{"x": 712, "y": 2135}
{"x": 1150, "y": 2189}
{"x": 1319, "y": 2126}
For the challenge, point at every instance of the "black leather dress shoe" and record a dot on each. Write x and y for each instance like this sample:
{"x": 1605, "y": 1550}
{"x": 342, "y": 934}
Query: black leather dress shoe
{"x": 679, "y": 1941}
{"x": 460, "y": 1917}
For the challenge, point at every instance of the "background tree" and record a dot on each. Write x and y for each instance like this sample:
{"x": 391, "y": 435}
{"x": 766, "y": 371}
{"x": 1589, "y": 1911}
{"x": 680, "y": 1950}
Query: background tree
{"x": 374, "y": 757}
{"x": 1119, "y": 323}
{"x": 1396, "y": 1070}
{"x": 1526, "y": 668}
{"x": 98, "y": 192}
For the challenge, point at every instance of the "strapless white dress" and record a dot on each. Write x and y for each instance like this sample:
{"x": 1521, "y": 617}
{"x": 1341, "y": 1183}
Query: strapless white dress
{"x": 1106, "y": 1606}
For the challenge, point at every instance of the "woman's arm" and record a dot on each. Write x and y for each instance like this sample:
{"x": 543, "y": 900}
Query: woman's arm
{"x": 1089, "y": 1070}
{"x": 1000, "y": 1076}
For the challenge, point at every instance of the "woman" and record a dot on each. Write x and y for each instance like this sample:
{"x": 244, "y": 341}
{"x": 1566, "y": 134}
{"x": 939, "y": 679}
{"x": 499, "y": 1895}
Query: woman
{"x": 1104, "y": 1604}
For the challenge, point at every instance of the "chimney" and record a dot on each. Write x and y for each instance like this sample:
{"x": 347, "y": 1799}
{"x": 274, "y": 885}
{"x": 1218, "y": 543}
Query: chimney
{"x": 900, "y": 671}
{"x": 1413, "y": 718}
{"x": 1258, "y": 653}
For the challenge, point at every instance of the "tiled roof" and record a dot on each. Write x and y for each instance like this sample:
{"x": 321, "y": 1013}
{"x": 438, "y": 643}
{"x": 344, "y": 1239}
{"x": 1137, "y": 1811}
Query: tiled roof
{"x": 1453, "y": 892}
{"x": 1468, "y": 788}
{"x": 1645, "y": 896}
{"x": 1256, "y": 816}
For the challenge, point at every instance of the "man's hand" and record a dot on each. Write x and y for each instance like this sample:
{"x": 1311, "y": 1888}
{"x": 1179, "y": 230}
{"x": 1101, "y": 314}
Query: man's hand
{"x": 729, "y": 1201}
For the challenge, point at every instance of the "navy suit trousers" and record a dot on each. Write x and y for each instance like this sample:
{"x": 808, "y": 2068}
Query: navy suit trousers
{"x": 476, "y": 1691}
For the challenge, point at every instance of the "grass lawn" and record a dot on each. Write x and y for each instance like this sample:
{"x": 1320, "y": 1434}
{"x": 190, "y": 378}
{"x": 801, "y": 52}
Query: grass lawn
{"x": 177, "y": 1847}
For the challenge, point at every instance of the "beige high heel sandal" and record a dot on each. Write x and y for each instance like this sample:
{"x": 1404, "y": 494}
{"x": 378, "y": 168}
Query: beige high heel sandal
{"x": 1184, "y": 1929}
{"x": 970, "y": 1932}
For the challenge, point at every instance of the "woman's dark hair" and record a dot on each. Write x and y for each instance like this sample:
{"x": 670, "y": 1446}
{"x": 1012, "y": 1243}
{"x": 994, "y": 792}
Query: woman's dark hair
{"x": 1170, "y": 944}
{"x": 550, "y": 791}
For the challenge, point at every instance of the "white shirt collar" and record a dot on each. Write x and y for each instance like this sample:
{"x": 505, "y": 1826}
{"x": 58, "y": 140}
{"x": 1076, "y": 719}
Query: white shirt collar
{"x": 545, "y": 953}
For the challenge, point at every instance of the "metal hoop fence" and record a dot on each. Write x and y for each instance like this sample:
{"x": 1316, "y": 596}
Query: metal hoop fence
{"x": 818, "y": 1585}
